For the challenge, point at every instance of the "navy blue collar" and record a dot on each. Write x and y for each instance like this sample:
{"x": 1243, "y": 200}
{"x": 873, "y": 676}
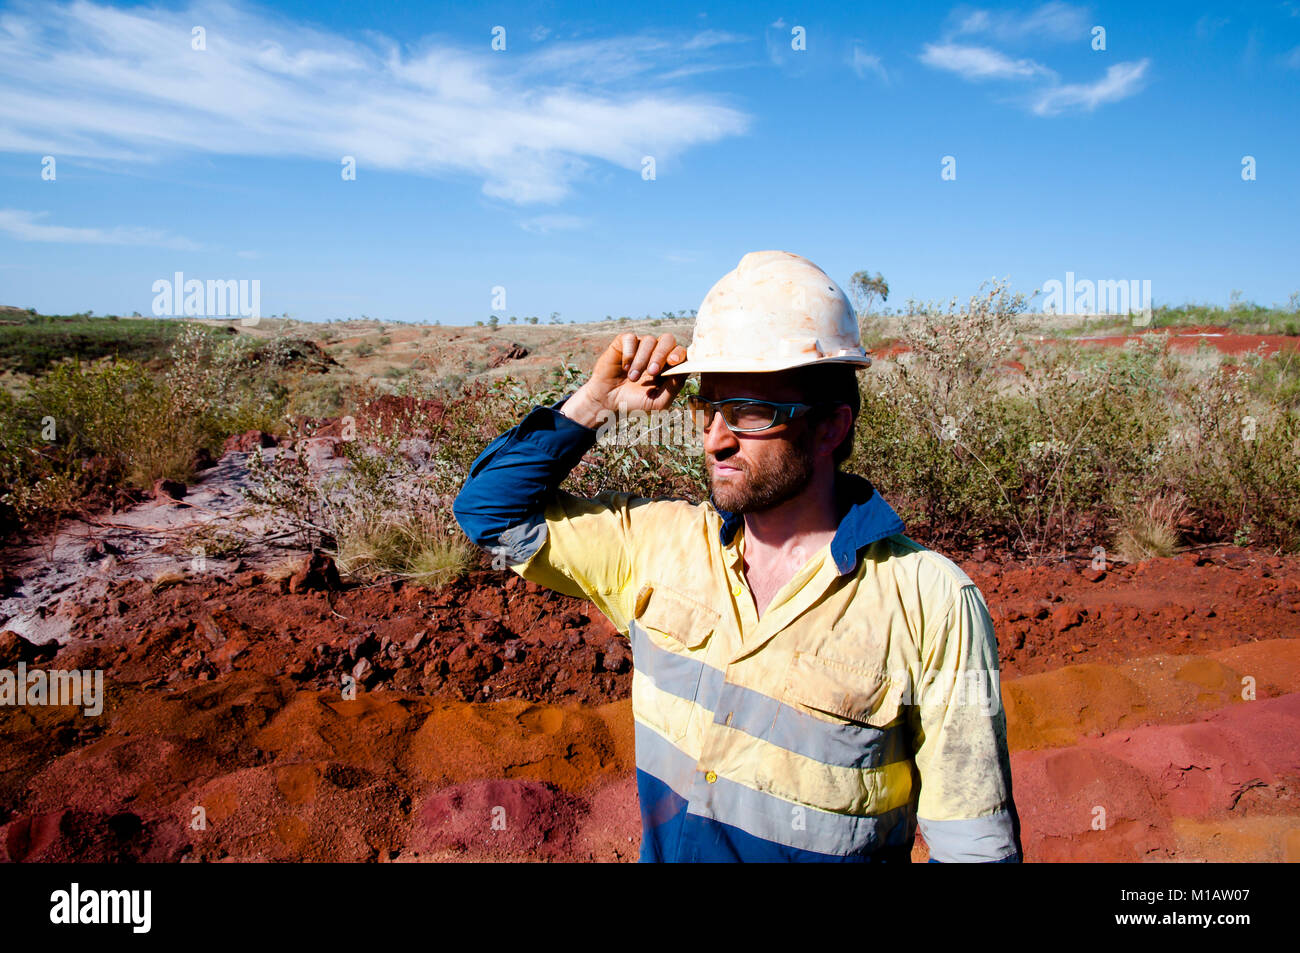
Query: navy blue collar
{"x": 867, "y": 519}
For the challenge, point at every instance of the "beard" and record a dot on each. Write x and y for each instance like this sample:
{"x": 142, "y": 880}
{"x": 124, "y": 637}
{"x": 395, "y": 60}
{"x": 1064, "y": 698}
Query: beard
{"x": 779, "y": 477}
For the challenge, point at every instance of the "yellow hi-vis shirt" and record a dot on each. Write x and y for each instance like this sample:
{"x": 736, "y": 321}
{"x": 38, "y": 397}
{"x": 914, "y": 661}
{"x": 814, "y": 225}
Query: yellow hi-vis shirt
{"x": 864, "y": 701}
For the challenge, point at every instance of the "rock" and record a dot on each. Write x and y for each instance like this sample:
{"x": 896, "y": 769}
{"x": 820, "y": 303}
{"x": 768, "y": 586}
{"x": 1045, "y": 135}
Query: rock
{"x": 247, "y": 442}
{"x": 363, "y": 646}
{"x": 461, "y": 660}
{"x": 164, "y": 489}
{"x": 363, "y": 672}
{"x": 488, "y": 630}
{"x": 316, "y": 572}
{"x": 497, "y": 357}
{"x": 616, "y": 658}
{"x": 1065, "y": 618}
{"x": 414, "y": 643}
{"x": 573, "y": 619}
{"x": 202, "y": 460}
{"x": 14, "y": 648}
{"x": 1094, "y": 575}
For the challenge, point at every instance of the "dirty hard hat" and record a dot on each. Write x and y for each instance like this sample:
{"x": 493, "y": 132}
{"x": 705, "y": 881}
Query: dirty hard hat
{"x": 773, "y": 312}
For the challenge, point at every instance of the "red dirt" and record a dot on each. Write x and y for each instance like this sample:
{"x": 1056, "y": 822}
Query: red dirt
{"x": 1123, "y": 690}
{"x": 1224, "y": 340}
{"x": 1212, "y": 598}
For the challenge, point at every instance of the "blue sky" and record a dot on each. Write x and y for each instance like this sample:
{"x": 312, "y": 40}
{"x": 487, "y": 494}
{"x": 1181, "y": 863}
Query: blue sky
{"x": 523, "y": 168}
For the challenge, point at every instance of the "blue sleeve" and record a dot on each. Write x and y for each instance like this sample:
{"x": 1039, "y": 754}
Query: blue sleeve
{"x": 518, "y": 472}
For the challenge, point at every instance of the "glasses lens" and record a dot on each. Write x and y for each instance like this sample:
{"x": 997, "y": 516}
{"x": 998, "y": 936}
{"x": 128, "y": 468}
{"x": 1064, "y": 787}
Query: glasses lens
{"x": 743, "y": 416}
{"x": 749, "y": 416}
{"x": 700, "y": 411}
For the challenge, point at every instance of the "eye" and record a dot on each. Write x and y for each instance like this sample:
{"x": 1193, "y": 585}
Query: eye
{"x": 752, "y": 415}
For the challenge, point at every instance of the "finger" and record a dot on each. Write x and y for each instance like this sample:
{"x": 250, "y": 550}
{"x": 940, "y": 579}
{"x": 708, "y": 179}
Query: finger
{"x": 659, "y": 356}
{"x": 628, "y": 343}
{"x": 645, "y": 347}
{"x": 609, "y": 366}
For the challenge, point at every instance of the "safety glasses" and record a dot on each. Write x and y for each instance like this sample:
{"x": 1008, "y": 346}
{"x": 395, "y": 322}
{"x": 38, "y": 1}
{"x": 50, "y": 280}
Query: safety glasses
{"x": 743, "y": 415}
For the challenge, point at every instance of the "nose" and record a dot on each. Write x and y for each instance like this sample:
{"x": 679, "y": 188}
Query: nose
{"x": 717, "y": 435}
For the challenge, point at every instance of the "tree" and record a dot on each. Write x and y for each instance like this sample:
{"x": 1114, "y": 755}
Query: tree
{"x": 513, "y": 319}
{"x": 555, "y": 318}
{"x": 493, "y": 321}
{"x": 866, "y": 288}
{"x": 532, "y": 319}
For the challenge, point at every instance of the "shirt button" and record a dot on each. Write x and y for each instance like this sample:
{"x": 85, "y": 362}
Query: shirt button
{"x": 711, "y": 776}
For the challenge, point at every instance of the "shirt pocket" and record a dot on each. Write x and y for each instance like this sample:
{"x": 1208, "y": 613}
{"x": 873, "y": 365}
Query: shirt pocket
{"x": 836, "y": 729}
{"x": 670, "y": 631}
{"x": 854, "y": 693}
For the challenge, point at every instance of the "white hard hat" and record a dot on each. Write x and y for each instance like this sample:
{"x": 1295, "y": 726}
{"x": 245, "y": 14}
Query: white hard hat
{"x": 774, "y": 312}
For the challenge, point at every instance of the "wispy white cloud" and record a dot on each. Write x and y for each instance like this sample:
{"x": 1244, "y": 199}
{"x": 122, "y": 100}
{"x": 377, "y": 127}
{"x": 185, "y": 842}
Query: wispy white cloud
{"x": 1051, "y": 21}
{"x": 864, "y": 64}
{"x": 81, "y": 79}
{"x": 707, "y": 39}
{"x": 26, "y": 226}
{"x": 545, "y": 224}
{"x": 979, "y": 62}
{"x": 1120, "y": 82}
{"x": 1047, "y": 95}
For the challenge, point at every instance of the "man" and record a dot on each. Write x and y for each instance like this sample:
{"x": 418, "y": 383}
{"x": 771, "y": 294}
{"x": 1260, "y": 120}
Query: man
{"x": 809, "y": 684}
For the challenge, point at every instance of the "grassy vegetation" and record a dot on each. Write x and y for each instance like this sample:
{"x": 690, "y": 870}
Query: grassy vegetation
{"x": 971, "y": 437}
{"x": 1082, "y": 448}
{"x": 83, "y": 428}
{"x": 1242, "y": 317}
{"x": 32, "y": 343}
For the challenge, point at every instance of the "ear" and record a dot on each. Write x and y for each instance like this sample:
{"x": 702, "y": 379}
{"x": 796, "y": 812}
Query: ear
{"x": 833, "y": 428}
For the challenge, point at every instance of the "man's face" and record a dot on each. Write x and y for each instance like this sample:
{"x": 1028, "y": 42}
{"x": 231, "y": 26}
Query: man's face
{"x": 752, "y": 472}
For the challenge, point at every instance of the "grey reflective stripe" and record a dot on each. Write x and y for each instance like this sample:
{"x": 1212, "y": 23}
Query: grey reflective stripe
{"x": 660, "y": 758}
{"x": 970, "y": 841}
{"x": 675, "y": 674}
{"x": 520, "y": 542}
{"x": 798, "y": 825}
{"x": 841, "y": 744}
{"x": 765, "y": 815}
{"x": 838, "y": 743}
